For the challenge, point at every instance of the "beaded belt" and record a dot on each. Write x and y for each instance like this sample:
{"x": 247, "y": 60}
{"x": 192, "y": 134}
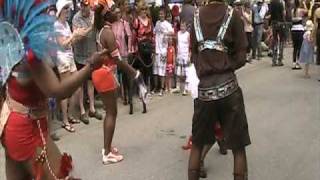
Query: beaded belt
{"x": 33, "y": 113}
{"x": 218, "y": 92}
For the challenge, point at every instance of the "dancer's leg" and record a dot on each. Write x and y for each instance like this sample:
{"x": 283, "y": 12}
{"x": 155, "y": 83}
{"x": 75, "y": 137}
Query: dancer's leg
{"x": 25, "y": 170}
{"x": 16, "y": 170}
{"x": 205, "y": 150}
{"x": 110, "y": 102}
{"x": 194, "y": 162}
{"x": 240, "y": 164}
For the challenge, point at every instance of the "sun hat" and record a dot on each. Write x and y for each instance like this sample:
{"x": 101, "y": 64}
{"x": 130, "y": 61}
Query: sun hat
{"x": 61, "y": 4}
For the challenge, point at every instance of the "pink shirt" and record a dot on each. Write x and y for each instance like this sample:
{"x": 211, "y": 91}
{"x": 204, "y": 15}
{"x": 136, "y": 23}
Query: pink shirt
{"x": 121, "y": 29}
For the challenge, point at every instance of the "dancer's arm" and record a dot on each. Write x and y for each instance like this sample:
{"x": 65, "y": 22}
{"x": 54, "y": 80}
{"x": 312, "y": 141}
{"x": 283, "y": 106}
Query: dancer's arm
{"x": 108, "y": 41}
{"x": 50, "y": 85}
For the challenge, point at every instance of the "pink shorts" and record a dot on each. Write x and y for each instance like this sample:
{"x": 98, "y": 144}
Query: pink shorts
{"x": 170, "y": 69}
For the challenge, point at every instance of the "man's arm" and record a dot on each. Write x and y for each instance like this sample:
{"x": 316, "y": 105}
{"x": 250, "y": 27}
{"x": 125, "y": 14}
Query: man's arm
{"x": 240, "y": 42}
{"x": 77, "y": 25}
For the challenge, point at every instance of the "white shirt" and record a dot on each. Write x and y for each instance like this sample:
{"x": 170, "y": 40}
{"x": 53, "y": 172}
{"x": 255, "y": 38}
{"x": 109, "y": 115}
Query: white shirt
{"x": 65, "y": 31}
{"x": 183, "y": 44}
{"x": 161, "y": 30}
{"x": 263, "y": 11}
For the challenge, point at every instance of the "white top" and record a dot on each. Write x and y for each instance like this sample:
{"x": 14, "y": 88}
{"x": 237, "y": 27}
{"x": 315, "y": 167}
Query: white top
{"x": 183, "y": 44}
{"x": 161, "y": 30}
{"x": 263, "y": 11}
{"x": 65, "y": 31}
{"x": 297, "y": 27}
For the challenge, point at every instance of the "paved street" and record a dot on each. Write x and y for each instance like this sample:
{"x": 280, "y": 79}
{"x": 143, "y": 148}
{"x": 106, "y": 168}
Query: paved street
{"x": 283, "y": 112}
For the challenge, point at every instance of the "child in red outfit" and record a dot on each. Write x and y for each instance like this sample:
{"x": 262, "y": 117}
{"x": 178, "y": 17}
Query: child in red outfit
{"x": 171, "y": 58}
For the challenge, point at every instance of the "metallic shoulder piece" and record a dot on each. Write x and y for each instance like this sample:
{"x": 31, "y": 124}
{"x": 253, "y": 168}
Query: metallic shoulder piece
{"x": 212, "y": 44}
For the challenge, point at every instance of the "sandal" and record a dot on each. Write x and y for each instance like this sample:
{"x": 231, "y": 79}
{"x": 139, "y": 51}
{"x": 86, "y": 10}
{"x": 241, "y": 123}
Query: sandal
{"x": 73, "y": 120}
{"x": 68, "y": 127}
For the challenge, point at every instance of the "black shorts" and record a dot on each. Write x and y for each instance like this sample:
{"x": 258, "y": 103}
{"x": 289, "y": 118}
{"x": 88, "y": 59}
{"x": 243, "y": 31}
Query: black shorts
{"x": 230, "y": 112}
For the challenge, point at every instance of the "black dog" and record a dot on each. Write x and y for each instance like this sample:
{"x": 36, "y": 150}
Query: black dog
{"x": 130, "y": 86}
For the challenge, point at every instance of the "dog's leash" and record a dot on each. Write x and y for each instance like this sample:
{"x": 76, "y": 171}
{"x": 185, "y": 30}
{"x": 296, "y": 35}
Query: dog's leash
{"x": 137, "y": 56}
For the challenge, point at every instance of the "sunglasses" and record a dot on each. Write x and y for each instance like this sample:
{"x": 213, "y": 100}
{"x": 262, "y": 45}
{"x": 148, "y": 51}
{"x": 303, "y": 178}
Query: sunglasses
{"x": 66, "y": 8}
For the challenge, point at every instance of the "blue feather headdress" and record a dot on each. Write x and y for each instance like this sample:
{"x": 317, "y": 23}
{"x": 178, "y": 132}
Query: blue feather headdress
{"x": 26, "y": 33}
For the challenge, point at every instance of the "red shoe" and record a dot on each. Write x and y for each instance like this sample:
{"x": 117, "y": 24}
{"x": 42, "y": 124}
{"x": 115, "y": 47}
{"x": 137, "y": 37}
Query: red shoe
{"x": 188, "y": 145}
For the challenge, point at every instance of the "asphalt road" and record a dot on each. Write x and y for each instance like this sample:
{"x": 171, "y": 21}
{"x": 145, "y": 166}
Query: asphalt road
{"x": 283, "y": 112}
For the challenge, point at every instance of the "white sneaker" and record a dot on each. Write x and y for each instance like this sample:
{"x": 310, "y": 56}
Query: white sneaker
{"x": 175, "y": 90}
{"x": 185, "y": 93}
{"x": 111, "y": 158}
{"x": 160, "y": 93}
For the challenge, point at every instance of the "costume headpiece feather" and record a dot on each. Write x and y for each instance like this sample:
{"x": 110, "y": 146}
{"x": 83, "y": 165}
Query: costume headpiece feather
{"x": 26, "y": 33}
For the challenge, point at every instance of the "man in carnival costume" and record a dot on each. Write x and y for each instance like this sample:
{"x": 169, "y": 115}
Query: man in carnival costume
{"x": 218, "y": 50}
{"x": 27, "y": 81}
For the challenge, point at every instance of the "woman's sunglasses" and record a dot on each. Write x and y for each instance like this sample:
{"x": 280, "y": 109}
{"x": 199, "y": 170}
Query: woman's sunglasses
{"x": 66, "y": 8}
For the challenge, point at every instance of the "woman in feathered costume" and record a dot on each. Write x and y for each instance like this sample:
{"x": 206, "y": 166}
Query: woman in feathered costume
{"x": 104, "y": 79}
{"x": 26, "y": 43}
